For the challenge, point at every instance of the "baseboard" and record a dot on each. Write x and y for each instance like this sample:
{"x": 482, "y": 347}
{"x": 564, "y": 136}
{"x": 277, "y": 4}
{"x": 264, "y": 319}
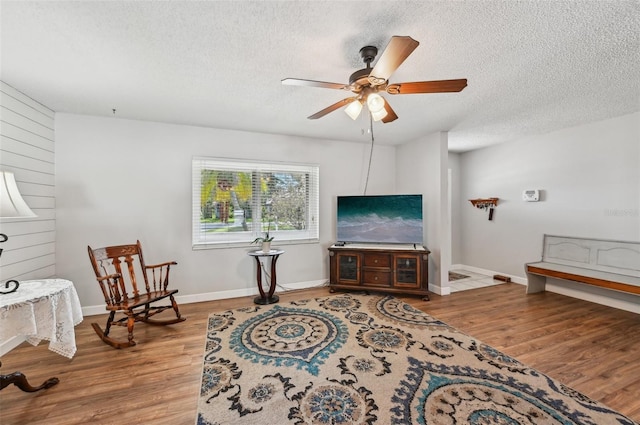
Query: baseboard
{"x": 10, "y": 344}
{"x": 619, "y": 300}
{"x": 220, "y": 295}
{"x": 516, "y": 279}
{"x": 440, "y": 290}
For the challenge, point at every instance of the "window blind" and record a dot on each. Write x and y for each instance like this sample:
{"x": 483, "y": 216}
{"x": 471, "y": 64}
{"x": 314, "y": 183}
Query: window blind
{"x": 237, "y": 201}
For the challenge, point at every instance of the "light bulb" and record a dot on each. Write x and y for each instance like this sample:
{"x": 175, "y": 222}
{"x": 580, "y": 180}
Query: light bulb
{"x": 353, "y": 109}
{"x": 375, "y": 102}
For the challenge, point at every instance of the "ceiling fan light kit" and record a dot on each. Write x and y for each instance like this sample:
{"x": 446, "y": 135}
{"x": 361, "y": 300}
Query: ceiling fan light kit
{"x": 375, "y": 103}
{"x": 366, "y": 83}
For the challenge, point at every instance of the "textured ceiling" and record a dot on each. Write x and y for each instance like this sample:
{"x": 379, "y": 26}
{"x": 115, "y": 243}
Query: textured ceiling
{"x": 532, "y": 66}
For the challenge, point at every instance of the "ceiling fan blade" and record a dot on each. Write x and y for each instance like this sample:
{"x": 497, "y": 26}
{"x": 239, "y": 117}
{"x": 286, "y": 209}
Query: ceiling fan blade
{"x": 398, "y": 49}
{"x": 311, "y": 83}
{"x": 331, "y": 108}
{"x": 391, "y": 115}
{"x": 442, "y": 86}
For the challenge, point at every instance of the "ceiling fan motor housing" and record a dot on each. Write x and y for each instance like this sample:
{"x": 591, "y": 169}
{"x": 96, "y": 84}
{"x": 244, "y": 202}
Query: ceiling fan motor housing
{"x": 360, "y": 78}
{"x": 368, "y": 54}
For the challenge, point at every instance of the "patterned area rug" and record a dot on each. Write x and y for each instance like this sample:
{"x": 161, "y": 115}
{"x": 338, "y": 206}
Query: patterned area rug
{"x": 358, "y": 359}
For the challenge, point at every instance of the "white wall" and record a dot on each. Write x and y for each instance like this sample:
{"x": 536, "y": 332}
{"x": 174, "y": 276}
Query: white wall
{"x": 27, "y": 149}
{"x": 456, "y": 208}
{"x": 422, "y": 168}
{"x": 589, "y": 177}
{"x": 120, "y": 180}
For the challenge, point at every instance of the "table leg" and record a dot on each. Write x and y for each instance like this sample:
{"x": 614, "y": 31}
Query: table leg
{"x": 266, "y": 298}
{"x": 272, "y": 287}
{"x": 20, "y": 381}
{"x": 259, "y": 279}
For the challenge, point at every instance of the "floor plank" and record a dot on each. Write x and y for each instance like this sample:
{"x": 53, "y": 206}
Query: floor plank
{"x": 591, "y": 348}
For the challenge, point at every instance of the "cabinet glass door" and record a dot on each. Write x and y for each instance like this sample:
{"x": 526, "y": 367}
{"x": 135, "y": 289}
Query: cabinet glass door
{"x": 407, "y": 271}
{"x": 348, "y": 267}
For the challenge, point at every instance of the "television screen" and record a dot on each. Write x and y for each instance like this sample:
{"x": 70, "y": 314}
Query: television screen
{"x": 380, "y": 219}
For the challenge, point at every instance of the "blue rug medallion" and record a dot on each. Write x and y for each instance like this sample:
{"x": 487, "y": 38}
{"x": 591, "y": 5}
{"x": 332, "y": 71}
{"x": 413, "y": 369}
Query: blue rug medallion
{"x": 285, "y": 336}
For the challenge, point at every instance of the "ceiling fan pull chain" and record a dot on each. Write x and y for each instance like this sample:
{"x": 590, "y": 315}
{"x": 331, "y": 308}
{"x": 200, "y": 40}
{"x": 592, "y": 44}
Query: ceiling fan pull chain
{"x": 366, "y": 182}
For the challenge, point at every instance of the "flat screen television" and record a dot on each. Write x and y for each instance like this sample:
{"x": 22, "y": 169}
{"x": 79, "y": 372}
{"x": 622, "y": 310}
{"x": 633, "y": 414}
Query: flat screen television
{"x": 391, "y": 219}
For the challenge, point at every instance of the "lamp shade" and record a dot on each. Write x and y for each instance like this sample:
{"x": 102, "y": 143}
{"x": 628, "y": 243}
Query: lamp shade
{"x": 353, "y": 109}
{"x": 11, "y": 203}
{"x": 378, "y": 115}
{"x": 375, "y": 102}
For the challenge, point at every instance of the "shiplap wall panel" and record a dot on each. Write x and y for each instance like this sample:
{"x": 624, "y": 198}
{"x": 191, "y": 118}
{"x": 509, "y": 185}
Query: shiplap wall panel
{"x": 32, "y": 239}
{"x": 9, "y": 91}
{"x": 45, "y": 215}
{"x": 35, "y": 189}
{"x": 29, "y": 267}
{"x": 27, "y": 148}
{"x": 27, "y": 124}
{"x": 28, "y": 227}
{"x": 42, "y": 177}
{"x": 41, "y": 206}
{"x": 35, "y": 152}
{"x": 10, "y": 131}
{"x": 18, "y": 160}
{"x": 19, "y": 106}
{"x": 28, "y": 252}
{"x": 38, "y": 272}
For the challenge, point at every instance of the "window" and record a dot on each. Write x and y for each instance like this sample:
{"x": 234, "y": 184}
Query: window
{"x": 236, "y": 201}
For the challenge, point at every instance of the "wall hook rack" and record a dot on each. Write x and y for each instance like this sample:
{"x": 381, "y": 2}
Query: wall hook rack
{"x": 485, "y": 203}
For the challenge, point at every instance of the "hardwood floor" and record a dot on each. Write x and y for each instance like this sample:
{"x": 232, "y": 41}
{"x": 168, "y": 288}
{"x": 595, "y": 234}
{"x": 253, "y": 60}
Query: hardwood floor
{"x": 591, "y": 348}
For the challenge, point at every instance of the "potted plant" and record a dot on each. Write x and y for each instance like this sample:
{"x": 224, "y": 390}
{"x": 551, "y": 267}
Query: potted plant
{"x": 266, "y": 240}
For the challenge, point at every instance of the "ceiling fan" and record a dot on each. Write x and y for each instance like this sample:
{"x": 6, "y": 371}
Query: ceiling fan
{"x": 366, "y": 83}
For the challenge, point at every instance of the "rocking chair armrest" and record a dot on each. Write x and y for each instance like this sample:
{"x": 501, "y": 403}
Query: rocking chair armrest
{"x": 168, "y": 263}
{"x": 115, "y": 276}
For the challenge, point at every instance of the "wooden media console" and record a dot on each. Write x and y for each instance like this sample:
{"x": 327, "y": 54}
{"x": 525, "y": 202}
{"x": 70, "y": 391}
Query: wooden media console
{"x": 384, "y": 268}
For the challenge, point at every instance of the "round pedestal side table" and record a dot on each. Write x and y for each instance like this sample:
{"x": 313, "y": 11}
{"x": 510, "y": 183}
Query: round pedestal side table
{"x": 273, "y": 255}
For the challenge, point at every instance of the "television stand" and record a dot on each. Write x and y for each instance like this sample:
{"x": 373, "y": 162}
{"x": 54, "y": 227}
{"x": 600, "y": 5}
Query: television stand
{"x": 392, "y": 269}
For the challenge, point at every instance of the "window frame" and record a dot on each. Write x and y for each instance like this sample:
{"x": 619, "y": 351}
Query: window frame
{"x": 207, "y": 240}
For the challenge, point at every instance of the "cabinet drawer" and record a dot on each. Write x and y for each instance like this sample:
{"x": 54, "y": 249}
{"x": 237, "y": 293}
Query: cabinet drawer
{"x": 377, "y": 260}
{"x": 377, "y": 278}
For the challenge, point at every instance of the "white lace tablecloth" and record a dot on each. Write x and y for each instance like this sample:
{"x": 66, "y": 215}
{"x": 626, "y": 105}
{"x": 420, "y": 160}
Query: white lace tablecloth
{"x": 42, "y": 309}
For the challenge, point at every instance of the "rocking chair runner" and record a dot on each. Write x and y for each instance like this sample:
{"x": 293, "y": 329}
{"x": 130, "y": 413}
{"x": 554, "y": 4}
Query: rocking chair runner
{"x": 121, "y": 292}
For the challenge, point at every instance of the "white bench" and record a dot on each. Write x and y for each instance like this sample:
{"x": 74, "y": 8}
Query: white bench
{"x": 600, "y": 262}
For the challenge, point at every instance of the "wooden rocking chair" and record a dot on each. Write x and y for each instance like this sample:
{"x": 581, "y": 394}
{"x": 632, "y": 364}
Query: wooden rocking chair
{"x": 121, "y": 292}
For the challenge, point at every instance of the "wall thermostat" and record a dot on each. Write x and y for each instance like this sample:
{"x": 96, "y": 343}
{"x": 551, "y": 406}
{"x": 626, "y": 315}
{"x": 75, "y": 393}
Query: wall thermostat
{"x": 531, "y": 195}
